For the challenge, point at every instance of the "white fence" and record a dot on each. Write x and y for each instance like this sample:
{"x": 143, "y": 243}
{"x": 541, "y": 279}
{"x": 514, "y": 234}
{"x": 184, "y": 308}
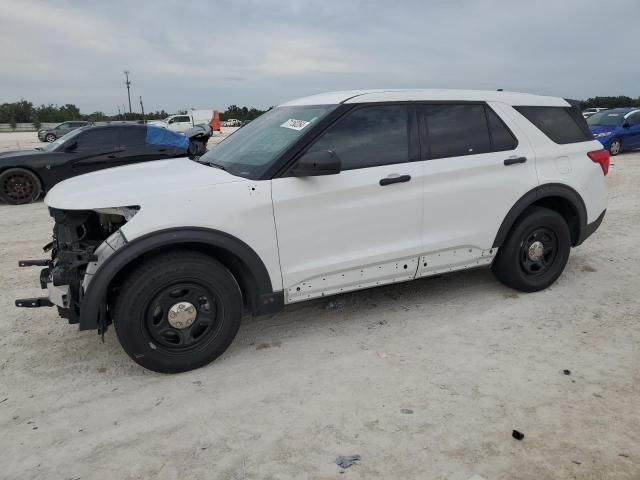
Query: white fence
{"x": 24, "y": 127}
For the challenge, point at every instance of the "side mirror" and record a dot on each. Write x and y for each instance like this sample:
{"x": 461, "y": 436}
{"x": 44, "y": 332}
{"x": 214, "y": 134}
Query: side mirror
{"x": 71, "y": 147}
{"x": 626, "y": 125}
{"x": 311, "y": 164}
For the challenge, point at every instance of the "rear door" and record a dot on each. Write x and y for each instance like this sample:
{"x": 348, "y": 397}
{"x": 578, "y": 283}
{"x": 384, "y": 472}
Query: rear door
{"x": 361, "y": 227}
{"x": 475, "y": 169}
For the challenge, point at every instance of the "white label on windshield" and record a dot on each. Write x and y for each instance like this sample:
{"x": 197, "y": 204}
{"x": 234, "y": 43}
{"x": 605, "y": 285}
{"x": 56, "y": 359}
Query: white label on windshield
{"x": 295, "y": 124}
{"x": 612, "y": 115}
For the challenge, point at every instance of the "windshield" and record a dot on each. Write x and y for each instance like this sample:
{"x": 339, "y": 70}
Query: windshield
{"x": 53, "y": 146}
{"x": 253, "y": 148}
{"x": 605, "y": 118}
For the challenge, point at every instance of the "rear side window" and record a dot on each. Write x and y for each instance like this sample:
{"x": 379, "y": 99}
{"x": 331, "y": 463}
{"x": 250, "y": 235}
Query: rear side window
{"x": 456, "y": 130}
{"x": 501, "y": 137}
{"x": 130, "y": 136}
{"x": 560, "y": 124}
{"x": 369, "y": 137}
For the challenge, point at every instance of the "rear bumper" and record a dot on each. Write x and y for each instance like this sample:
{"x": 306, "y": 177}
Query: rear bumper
{"x": 588, "y": 230}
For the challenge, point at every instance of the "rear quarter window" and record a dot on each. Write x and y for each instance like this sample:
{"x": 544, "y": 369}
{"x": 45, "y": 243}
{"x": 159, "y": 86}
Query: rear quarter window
{"x": 561, "y": 125}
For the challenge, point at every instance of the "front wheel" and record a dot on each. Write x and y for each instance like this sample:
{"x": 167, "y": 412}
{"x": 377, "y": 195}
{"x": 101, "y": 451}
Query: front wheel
{"x": 50, "y": 137}
{"x": 535, "y": 252}
{"x": 177, "y": 312}
{"x": 18, "y": 186}
{"x": 615, "y": 147}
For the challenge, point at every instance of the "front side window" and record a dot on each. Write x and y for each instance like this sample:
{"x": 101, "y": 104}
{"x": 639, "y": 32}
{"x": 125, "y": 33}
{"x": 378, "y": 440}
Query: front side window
{"x": 456, "y": 130}
{"x": 63, "y": 125}
{"x": 368, "y": 137}
{"x": 634, "y": 119}
{"x": 251, "y": 150}
{"x": 605, "y": 119}
{"x": 99, "y": 137}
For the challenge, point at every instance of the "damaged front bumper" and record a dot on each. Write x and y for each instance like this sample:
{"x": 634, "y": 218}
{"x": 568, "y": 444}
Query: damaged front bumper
{"x": 82, "y": 240}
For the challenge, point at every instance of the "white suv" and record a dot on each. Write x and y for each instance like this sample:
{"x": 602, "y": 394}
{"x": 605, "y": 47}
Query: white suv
{"x": 322, "y": 195}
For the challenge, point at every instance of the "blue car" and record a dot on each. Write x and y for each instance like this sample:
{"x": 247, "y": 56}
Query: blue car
{"x": 617, "y": 129}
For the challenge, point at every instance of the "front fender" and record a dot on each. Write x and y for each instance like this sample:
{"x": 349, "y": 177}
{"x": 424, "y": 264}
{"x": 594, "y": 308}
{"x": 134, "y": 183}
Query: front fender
{"x": 241, "y": 259}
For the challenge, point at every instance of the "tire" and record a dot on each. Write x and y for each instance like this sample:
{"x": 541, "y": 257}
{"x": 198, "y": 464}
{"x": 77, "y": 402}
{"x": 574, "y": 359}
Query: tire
{"x": 615, "y": 147}
{"x": 50, "y": 137}
{"x": 535, "y": 252}
{"x": 19, "y": 186}
{"x": 204, "y": 302}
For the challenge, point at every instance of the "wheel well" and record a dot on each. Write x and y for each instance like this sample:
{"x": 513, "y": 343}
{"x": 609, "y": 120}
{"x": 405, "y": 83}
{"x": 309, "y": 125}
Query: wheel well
{"x": 243, "y": 275}
{"x": 566, "y": 209}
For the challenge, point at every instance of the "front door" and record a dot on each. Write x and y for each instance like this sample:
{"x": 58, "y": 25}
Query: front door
{"x": 361, "y": 227}
{"x": 632, "y": 139}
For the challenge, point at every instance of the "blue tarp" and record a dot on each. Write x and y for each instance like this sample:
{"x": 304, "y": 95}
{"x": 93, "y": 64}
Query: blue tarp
{"x": 162, "y": 136}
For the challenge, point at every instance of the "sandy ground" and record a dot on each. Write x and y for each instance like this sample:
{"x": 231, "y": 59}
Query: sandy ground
{"x": 471, "y": 359}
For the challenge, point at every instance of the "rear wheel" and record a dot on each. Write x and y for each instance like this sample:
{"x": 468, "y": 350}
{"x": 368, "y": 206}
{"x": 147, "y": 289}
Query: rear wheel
{"x": 535, "y": 252}
{"x": 18, "y": 186}
{"x": 178, "y": 312}
{"x": 615, "y": 147}
{"x": 50, "y": 137}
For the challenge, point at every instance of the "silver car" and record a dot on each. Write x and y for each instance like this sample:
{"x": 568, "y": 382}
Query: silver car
{"x": 51, "y": 134}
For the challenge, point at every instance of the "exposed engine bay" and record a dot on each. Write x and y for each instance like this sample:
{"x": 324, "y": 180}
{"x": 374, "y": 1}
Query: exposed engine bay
{"x": 77, "y": 235}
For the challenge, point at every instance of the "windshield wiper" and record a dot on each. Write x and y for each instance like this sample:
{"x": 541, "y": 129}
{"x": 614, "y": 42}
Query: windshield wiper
{"x": 211, "y": 164}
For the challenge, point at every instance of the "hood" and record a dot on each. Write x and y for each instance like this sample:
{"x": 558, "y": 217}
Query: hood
{"x": 135, "y": 184}
{"x": 602, "y": 128}
{"x": 19, "y": 153}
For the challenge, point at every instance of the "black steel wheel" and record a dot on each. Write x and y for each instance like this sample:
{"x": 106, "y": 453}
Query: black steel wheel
{"x": 19, "y": 186}
{"x": 535, "y": 252}
{"x": 178, "y": 311}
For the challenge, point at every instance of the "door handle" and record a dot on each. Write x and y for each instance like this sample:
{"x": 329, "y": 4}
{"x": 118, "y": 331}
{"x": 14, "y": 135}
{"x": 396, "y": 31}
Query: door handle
{"x": 111, "y": 156}
{"x": 513, "y": 161}
{"x": 162, "y": 150}
{"x": 398, "y": 179}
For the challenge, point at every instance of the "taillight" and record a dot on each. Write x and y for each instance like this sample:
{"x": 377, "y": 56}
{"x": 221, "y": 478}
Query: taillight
{"x": 601, "y": 157}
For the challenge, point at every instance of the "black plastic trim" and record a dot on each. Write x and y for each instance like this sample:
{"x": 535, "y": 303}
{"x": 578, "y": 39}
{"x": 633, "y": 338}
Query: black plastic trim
{"x": 95, "y": 297}
{"x": 529, "y": 198}
{"x": 591, "y": 228}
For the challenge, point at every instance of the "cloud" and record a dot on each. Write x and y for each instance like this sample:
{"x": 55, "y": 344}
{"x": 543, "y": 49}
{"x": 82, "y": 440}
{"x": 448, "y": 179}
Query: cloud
{"x": 210, "y": 54}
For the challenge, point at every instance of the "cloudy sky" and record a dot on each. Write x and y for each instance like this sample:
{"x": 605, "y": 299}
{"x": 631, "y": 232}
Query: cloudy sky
{"x": 209, "y": 54}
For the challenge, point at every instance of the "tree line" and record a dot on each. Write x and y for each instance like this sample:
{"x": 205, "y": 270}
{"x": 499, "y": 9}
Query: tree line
{"x": 24, "y": 111}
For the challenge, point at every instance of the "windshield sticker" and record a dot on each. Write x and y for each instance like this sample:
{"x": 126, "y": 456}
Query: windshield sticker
{"x": 613, "y": 115}
{"x": 295, "y": 124}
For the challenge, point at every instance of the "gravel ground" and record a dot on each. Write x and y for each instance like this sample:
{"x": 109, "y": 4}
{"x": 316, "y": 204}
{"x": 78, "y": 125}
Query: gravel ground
{"x": 423, "y": 380}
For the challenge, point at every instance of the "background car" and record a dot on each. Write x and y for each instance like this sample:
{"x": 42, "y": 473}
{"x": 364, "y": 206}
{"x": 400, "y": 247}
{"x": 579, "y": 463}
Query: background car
{"x": 27, "y": 174}
{"x": 586, "y": 113}
{"x": 617, "y": 129}
{"x": 52, "y": 134}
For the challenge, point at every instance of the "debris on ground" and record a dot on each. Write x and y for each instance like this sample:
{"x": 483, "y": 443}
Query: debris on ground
{"x": 406, "y": 411}
{"x": 566, "y": 372}
{"x": 345, "y": 461}
{"x": 517, "y": 435}
{"x": 334, "y": 305}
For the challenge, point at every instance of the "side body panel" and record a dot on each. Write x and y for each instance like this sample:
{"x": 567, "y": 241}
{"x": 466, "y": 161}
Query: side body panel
{"x": 566, "y": 164}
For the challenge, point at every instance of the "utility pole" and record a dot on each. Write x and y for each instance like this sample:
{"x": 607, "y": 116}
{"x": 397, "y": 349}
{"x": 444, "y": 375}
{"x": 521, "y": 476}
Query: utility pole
{"x": 142, "y": 108}
{"x": 128, "y": 84}
{"x": 119, "y": 112}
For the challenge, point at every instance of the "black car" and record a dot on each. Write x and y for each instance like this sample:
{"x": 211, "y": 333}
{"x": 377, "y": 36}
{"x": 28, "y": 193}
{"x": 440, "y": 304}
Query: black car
{"x": 27, "y": 174}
